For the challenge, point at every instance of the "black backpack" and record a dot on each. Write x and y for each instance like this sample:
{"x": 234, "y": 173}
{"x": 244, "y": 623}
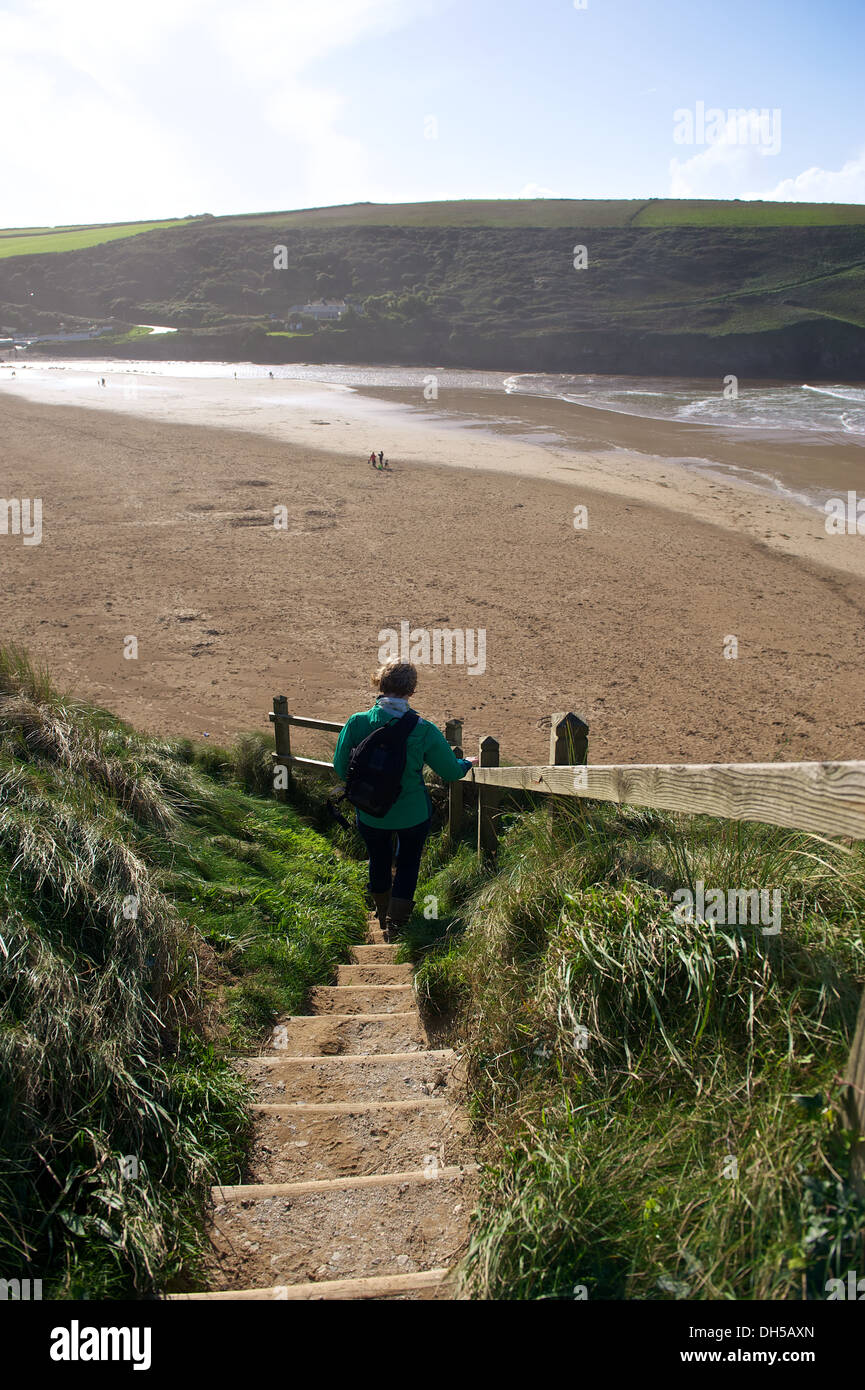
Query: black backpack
{"x": 376, "y": 766}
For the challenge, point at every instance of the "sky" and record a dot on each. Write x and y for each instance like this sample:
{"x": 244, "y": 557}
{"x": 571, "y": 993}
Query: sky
{"x": 119, "y": 110}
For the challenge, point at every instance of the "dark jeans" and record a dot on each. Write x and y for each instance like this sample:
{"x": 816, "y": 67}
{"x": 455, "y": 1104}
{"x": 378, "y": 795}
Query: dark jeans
{"x": 409, "y": 848}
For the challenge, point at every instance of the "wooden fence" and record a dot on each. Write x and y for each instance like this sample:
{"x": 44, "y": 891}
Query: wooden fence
{"x": 822, "y": 798}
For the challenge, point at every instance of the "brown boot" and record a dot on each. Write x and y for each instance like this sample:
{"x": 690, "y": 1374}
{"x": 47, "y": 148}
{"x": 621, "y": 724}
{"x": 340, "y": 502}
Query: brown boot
{"x": 381, "y": 903}
{"x": 400, "y": 911}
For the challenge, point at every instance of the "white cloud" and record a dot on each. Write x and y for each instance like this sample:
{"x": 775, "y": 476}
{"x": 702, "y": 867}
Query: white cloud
{"x": 536, "y": 190}
{"x": 93, "y": 37}
{"x": 726, "y": 165}
{"x": 734, "y": 168}
{"x": 272, "y": 43}
{"x": 172, "y": 106}
{"x": 815, "y": 185}
{"x": 271, "y": 39}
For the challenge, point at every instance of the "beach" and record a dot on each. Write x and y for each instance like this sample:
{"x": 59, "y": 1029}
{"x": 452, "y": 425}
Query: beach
{"x": 159, "y": 501}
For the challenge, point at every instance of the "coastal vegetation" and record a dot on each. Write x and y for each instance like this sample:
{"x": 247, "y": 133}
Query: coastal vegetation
{"x": 156, "y": 914}
{"x": 666, "y": 286}
{"x": 656, "y": 1102}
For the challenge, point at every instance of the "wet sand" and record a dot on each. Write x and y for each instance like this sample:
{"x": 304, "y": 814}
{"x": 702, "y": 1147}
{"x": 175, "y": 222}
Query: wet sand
{"x": 164, "y": 531}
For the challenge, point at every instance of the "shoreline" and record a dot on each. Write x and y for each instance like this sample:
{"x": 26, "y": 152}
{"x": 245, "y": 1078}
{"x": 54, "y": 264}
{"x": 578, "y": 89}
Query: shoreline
{"x": 691, "y": 484}
{"x": 639, "y": 458}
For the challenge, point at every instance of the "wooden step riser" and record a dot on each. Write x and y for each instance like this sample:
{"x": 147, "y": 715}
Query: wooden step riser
{"x": 362, "y": 999}
{"x": 342, "y": 1232}
{"x": 379, "y": 953}
{"x": 381, "y": 974}
{"x": 427, "y": 1285}
{"x": 347, "y": 1107}
{"x": 332, "y": 1035}
{"x": 353, "y": 1078}
{"x": 290, "y": 1147}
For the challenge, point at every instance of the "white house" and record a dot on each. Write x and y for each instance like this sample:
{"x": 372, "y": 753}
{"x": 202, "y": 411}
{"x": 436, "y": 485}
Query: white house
{"x": 322, "y": 311}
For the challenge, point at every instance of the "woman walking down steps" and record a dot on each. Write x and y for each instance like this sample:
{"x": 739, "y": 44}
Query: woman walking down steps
{"x": 409, "y": 816}
{"x": 361, "y": 1180}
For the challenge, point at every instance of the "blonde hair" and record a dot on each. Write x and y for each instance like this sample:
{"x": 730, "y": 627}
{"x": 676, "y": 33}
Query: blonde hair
{"x": 396, "y": 678}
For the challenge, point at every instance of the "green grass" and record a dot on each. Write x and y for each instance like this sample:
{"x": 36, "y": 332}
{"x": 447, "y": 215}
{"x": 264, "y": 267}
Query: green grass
{"x": 684, "y": 212}
{"x": 573, "y": 213}
{"x": 156, "y": 913}
{"x": 620, "y": 1062}
{"x": 130, "y": 336}
{"x": 563, "y": 212}
{"x": 50, "y": 240}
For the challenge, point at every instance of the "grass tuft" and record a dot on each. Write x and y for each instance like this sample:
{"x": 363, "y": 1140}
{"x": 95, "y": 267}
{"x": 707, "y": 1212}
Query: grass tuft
{"x": 658, "y": 1101}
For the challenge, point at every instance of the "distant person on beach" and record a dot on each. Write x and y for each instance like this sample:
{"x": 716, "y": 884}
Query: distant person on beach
{"x": 381, "y": 458}
{"x": 409, "y": 815}
{"x": 372, "y": 458}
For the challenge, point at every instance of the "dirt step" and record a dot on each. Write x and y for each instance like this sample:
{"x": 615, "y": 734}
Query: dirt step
{"x": 333, "y": 1034}
{"x": 294, "y": 1142}
{"x": 426, "y": 1284}
{"x": 382, "y": 973}
{"x": 353, "y": 1077}
{"x": 372, "y": 954}
{"x": 363, "y": 999}
{"x": 292, "y": 1233}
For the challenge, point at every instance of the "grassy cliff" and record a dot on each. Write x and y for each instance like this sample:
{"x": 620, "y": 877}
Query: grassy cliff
{"x": 667, "y": 286}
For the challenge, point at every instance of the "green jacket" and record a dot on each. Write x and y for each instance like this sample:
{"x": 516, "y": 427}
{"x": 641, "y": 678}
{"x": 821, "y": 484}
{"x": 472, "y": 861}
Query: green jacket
{"x": 425, "y": 744}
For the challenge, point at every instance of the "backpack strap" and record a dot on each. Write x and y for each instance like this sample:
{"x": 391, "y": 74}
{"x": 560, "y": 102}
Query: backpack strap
{"x": 331, "y": 804}
{"x": 400, "y": 729}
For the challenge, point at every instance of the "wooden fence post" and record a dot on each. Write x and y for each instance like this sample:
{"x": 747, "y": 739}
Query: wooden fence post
{"x": 569, "y": 744}
{"x": 569, "y": 740}
{"x": 854, "y": 1101}
{"x": 454, "y": 736}
{"x": 282, "y": 735}
{"x": 488, "y": 800}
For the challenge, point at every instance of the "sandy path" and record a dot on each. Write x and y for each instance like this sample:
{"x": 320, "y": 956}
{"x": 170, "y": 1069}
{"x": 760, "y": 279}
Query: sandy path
{"x": 165, "y": 532}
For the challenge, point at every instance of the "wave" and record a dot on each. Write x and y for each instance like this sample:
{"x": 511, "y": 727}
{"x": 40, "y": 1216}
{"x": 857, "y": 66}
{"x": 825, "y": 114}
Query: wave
{"x": 842, "y": 393}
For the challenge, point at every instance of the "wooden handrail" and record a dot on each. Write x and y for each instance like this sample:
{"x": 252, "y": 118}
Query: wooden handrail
{"x": 294, "y": 761}
{"x": 824, "y": 798}
{"x": 328, "y": 726}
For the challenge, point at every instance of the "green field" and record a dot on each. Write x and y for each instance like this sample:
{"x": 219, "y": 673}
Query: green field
{"x": 37, "y": 241}
{"x": 673, "y": 212}
{"x": 563, "y": 212}
{"x": 517, "y": 212}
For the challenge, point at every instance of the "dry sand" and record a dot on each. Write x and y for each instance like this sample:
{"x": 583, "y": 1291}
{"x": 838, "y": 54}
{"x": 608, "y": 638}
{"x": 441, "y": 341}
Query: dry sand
{"x": 159, "y": 526}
